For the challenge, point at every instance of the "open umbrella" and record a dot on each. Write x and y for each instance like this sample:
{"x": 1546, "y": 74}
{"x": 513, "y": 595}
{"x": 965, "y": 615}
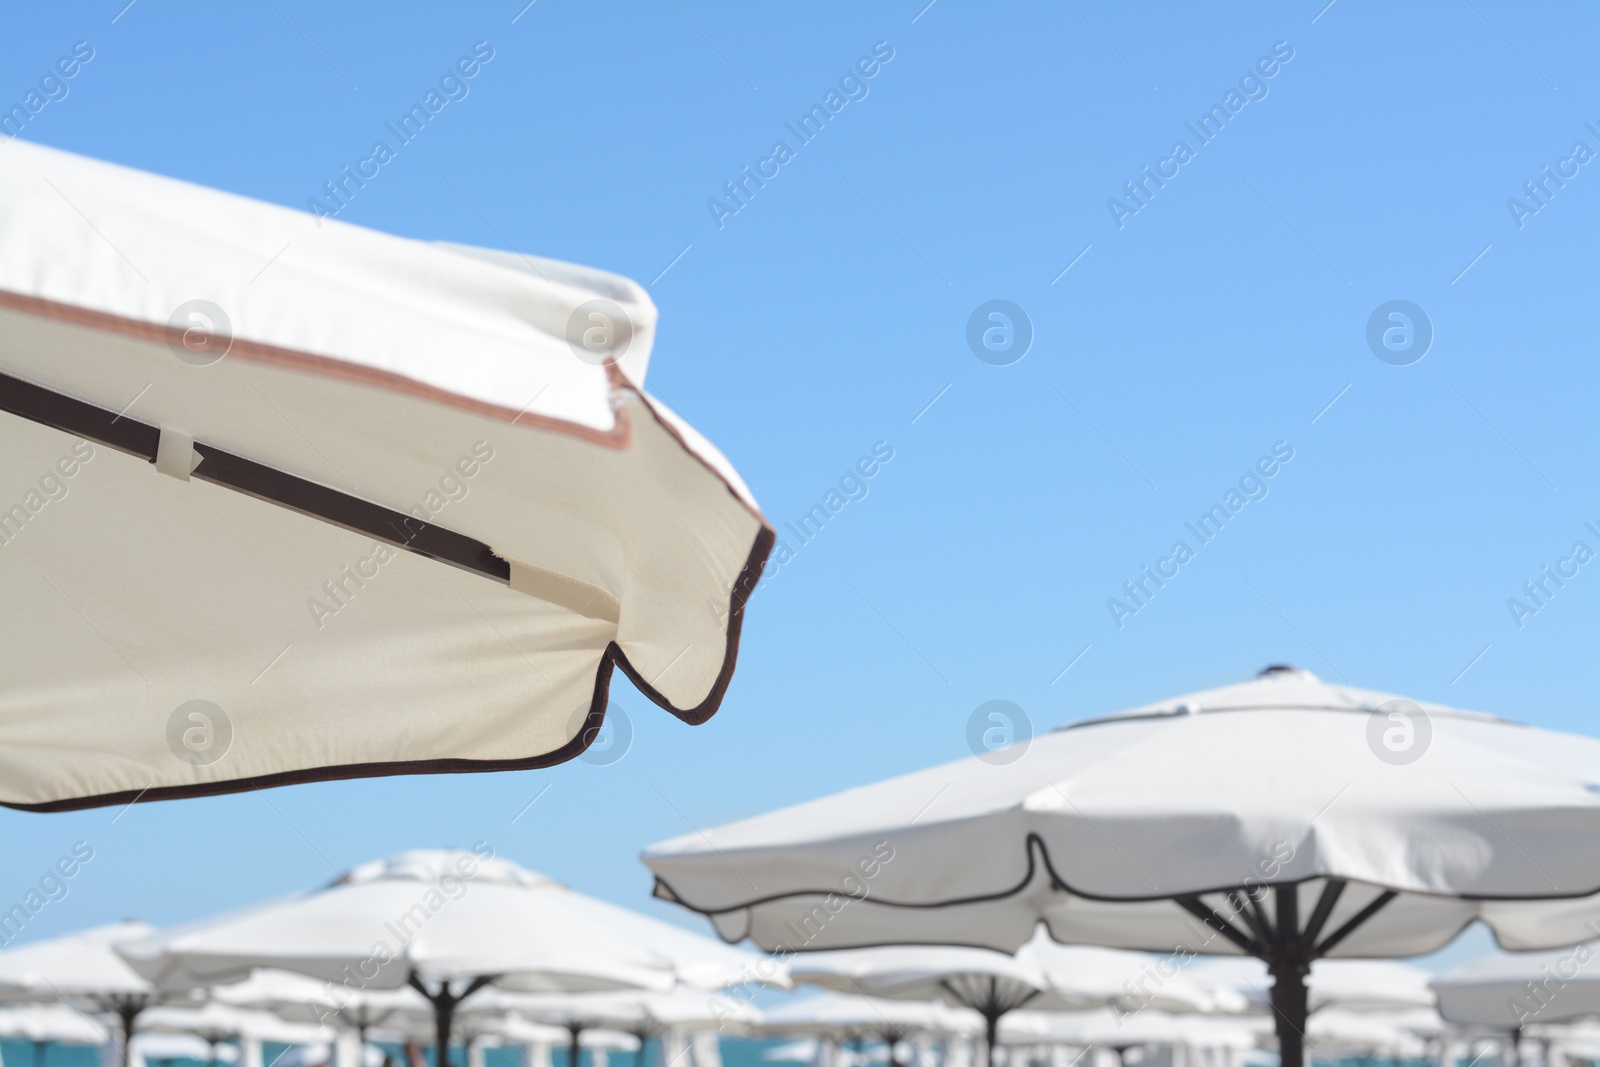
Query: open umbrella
{"x": 292, "y": 500}
{"x": 1282, "y": 818}
{"x": 850, "y": 1016}
{"x": 1042, "y": 975}
{"x": 446, "y": 923}
{"x": 1346, "y": 985}
{"x": 40, "y": 1024}
{"x": 84, "y": 971}
{"x": 1510, "y": 990}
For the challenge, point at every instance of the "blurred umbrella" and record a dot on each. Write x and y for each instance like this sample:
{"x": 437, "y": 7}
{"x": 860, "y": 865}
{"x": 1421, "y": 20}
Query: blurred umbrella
{"x": 1042, "y": 975}
{"x": 41, "y": 1024}
{"x": 446, "y": 923}
{"x": 1510, "y": 990}
{"x": 328, "y": 503}
{"x": 85, "y": 971}
{"x": 1282, "y": 818}
{"x": 1348, "y": 985}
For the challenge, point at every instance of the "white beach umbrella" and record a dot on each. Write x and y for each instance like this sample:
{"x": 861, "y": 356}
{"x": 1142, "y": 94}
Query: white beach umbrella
{"x": 641, "y": 1013}
{"x": 300, "y": 998}
{"x": 84, "y": 970}
{"x": 1282, "y": 818}
{"x": 447, "y": 923}
{"x": 43, "y": 1023}
{"x": 163, "y": 1046}
{"x": 1042, "y": 975}
{"x": 293, "y": 500}
{"x": 848, "y": 1015}
{"x": 1397, "y": 1035}
{"x": 216, "y": 1022}
{"x": 1348, "y": 985}
{"x": 1510, "y": 990}
{"x": 1116, "y": 1029}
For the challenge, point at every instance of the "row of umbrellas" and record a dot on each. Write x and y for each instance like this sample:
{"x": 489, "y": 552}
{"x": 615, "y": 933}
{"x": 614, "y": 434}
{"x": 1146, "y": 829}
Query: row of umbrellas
{"x": 415, "y": 940}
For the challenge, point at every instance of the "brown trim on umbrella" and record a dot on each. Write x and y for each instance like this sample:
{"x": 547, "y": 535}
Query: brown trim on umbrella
{"x": 619, "y": 436}
{"x": 75, "y": 416}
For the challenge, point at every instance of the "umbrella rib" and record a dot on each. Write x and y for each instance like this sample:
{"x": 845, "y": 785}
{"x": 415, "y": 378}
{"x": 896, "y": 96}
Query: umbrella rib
{"x": 1196, "y": 907}
{"x": 50, "y": 408}
{"x": 1350, "y": 927}
{"x": 1319, "y": 915}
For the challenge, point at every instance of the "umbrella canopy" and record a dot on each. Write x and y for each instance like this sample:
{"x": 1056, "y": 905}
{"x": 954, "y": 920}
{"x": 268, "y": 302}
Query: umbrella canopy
{"x": 222, "y": 1022}
{"x": 50, "y": 1022}
{"x": 850, "y": 1015}
{"x": 1398, "y": 1035}
{"x": 1509, "y": 990}
{"x": 1348, "y": 985}
{"x": 1109, "y": 1028}
{"x": 631, "y": 1011}
{"x": 447, "y": 923}
{"x": 294, "y": 500}
{"x": 177, "y": 1046}
{"x": 85, "y": 971}
{"x": 1042, "y": 975}
{"x": 298, "y": 998}
{"x": 1282, "y": 818}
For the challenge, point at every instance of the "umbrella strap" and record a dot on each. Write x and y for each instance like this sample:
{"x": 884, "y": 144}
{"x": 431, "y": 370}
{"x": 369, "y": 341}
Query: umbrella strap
{"x": 166, "y": 449}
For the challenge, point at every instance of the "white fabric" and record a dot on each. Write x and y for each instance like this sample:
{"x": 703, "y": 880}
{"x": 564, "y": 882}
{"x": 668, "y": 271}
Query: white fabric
{"x": 408, "y": 365}
{"x": 163, "y": 1046}
{"x": 447, "y": 915}
{"x": 630, "y": 1010}
{"x": 1507, "y": 990}
{"x": 1272, "y": 781}
{"x": 223, "y": 1022}
{"x": 844, "y": 1014}
{"x": 1114, "y": 1029}
{"x": 1349, "y": 985}
{"x": 51, "y": 1022}
{"x": 82, "y": 967}
{"x": 302, "y": 999}
{"x": 1066, "y": 978}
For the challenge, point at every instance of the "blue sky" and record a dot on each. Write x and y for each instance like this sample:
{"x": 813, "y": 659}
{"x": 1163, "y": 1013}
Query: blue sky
{"x": 1227, "y": 314}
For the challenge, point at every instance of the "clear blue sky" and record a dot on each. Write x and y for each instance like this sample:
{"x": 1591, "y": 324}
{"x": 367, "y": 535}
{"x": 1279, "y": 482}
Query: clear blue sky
{"x": 1220, "y": 318}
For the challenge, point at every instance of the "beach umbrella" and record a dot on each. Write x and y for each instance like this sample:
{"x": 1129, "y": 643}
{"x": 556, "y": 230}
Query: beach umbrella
{"x": 1119, "y": 1030}
{"x": 162, "y": 1047}
{"x": 446, "y": 923}
{"x": 41, "y": 1024}
{"x": 1510, "y": 990}
{"x": 1042, "y": 975}
{"x": 1283, "y": 818}
{"x": 84, "y": 970}
{"x": 216, "y": 1023}
{"x": 292, "y": 500}
{"x": 845, "y": 1015}
{"x": 642, "y": 1013}
{"x": 299, "y": 998}
{"x": 1348, "y": 985}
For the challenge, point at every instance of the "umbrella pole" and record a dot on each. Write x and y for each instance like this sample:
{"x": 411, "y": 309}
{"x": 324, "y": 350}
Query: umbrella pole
{"x": 1289, "y": 1010}
{"x": 127, "y": 1012}
{"x": 38, "y": 1053}
{"x": 574, "y": 1050}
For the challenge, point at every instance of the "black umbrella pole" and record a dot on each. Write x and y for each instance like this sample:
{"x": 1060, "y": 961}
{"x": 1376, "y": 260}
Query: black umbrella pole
{"x": 443, "y": 1016}
{"x": 991, "y": 1035}
{"x": 1289, "y": 1012}
{"x": 127, "y": 1014}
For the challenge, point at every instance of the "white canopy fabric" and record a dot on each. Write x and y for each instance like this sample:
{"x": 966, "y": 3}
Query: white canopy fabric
{"x": 1347, "y": 985}
{"x": 1283, "y": 818}
{"x": 223, "y": 1022}
{"x": 846, "y": 1015}
{"x": 160, "y": 1047}
{"x": 299, "y": 998}
{"x": 632, "y": 1011}
{"x": 1109, "y": 1028}
{"x": 1515, "y": 989}
{"x": 50, "y": 1022}
{"x": 445, "y": 915}
{"x": 1046, "y": 976}
{"x": 1397, "y": 1035}
{"x": 1102, "y": 826}
{"x": 83, "y": 968}
{"x": 287, "y": 500}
